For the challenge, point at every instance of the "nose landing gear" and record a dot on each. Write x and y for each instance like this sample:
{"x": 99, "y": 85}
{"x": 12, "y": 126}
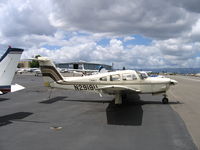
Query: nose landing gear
{"x": 165, "y": 99}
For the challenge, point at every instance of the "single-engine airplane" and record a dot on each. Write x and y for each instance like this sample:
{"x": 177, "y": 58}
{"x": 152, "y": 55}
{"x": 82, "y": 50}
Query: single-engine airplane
{"x": 116, "y": 83}
{"x": 8, "y": 65}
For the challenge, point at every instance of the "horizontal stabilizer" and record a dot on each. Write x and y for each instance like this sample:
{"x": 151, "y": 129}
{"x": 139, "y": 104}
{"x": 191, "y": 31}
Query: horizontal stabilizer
{"x": 16, "y": 87}
{"x": 49, "y": 71}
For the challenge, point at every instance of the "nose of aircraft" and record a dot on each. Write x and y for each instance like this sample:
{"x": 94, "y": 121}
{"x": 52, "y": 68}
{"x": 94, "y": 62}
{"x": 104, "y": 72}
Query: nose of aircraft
{"x": 173, "y": 82}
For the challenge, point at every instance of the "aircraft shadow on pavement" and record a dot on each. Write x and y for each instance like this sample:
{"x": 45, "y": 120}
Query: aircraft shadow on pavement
{"x": 135, "y": 99}
{"x": 3, "y": 99}
{"x": 142, "y": 102}
{"x": 129, "y": 113}
{"x": 7, "y": 119}
{"x": 88, "y": 101}
{"x": 53, "y": 100}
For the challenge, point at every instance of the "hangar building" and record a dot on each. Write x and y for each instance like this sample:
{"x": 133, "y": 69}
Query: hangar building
{"x": 83, "y": 65}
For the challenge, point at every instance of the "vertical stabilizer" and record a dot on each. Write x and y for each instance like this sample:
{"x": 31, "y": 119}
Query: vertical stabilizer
{"x": 8, "y": 65}
{"x": 49, "y": 71}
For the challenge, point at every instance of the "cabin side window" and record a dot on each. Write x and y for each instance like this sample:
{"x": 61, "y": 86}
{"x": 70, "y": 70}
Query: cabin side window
{"x": 126, "y": 77}
{"x": 103, "y": 79}
{"x": 115, "y": 77}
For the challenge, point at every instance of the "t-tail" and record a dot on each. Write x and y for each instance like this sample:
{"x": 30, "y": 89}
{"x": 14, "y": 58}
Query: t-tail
{"x": 49, "y": 72}
{"x": 8, "y": 65}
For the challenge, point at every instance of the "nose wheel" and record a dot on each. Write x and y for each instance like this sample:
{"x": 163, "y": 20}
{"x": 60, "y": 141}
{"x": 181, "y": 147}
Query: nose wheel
{"x": 165, "y": 100}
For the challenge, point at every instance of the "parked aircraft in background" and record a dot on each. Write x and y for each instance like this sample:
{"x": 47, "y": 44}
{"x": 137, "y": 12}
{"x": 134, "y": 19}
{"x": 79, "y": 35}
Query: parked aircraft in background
{"x": 36, "y": 71}
{"x": 116, "y": 83}
{"x": 83, "y": 71}
{"x": 145, "y": 74}
{"x": 197, "y": 75}
{"x": 8, "y": 65}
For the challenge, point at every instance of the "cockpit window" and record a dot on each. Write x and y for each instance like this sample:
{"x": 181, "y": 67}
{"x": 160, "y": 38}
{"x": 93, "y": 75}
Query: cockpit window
{"x": 115, "y": 77}
{"x": 103, "y": 79}
{"x": 139, "y": 74}
{"x": 142, "y": 75}
{"x": 126, "y": 77}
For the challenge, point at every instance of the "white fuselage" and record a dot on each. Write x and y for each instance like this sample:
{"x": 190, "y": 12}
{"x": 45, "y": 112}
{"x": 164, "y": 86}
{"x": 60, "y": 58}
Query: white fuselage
{"x": 128, "y": 78}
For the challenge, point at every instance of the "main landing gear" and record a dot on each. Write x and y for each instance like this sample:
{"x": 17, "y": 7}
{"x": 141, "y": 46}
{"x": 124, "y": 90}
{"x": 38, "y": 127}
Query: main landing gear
{"x": 165, "y": 99}
{"x": 118, "y": 98}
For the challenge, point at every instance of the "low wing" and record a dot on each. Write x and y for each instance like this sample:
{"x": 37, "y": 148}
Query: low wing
{"x": 112, "y": 89}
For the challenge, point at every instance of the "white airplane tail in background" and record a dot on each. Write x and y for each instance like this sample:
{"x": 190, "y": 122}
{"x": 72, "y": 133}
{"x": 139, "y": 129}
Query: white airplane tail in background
{"x": 8, "y": 65}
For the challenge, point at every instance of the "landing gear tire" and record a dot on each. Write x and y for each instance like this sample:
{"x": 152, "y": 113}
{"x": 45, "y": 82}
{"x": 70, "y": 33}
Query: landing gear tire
{"x": 124, "y": 96}
{"x": 165, "y": 100}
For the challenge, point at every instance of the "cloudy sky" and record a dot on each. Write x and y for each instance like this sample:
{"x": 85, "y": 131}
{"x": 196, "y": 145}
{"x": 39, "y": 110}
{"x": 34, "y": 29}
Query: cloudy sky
{"x": 131, "y": 33}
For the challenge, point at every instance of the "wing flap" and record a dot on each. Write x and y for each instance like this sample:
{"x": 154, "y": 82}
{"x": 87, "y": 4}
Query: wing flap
{"x": 117, "y": 89}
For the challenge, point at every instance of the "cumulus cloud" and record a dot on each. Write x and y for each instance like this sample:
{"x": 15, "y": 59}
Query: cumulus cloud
{"x": 128, "y": 38}
{"x": 192, "y": 5}
{"x": 158, "y": 54}
{"x": 155, "y": 18}
{"x": 24, "y": 17}
{"x": 74, "y": 28}
{"x": 21, "y": 20}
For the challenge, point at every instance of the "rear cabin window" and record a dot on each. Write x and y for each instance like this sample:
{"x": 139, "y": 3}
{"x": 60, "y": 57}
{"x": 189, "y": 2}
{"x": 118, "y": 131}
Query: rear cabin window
{"x": 103, "y": 79}
{"x": 115, "y": 77}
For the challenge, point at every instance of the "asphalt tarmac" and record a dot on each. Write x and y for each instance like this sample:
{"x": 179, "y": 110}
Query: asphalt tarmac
{"x": 41, "y": 119}
{"x": 187, "y": 92}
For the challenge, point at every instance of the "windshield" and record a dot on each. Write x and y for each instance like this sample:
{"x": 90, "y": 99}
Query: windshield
{"x": 142, "y": 75}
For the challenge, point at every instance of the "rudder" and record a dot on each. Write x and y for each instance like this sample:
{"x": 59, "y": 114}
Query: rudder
{"x": 49, "y": 72}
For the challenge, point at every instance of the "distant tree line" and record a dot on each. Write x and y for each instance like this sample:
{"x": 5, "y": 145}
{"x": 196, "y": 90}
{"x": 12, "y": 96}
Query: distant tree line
{"x": 34, "y": 63}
